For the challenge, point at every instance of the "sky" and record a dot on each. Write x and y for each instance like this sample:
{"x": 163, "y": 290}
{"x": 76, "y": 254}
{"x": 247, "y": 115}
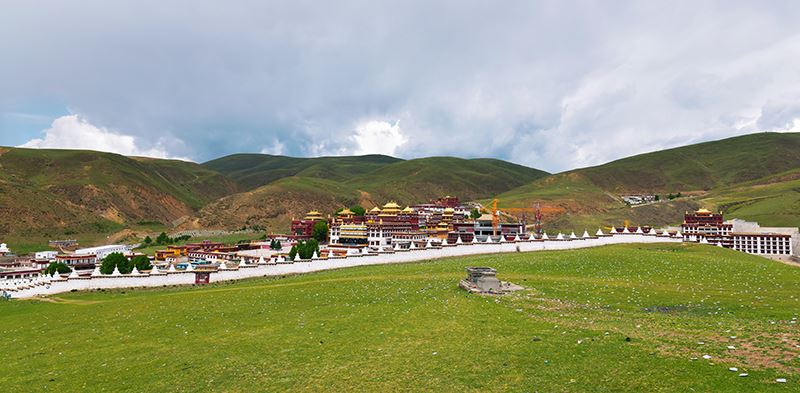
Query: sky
{"x": 554, "y": 85}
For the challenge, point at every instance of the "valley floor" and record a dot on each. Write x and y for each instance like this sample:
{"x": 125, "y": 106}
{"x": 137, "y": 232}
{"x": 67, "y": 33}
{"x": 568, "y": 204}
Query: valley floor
{"x": 614, "y": 318}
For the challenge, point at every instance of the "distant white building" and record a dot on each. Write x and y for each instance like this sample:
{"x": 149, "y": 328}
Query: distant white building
{"x": 45, "y": 255}
{"x": 4, "y": 249}
{"x": 101, "y": 252}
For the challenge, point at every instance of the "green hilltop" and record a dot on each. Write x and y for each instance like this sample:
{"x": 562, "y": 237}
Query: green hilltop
{"x": 380, "y": 179}
{"x": 750, "y": 177}
{"x": 58, "y": 193}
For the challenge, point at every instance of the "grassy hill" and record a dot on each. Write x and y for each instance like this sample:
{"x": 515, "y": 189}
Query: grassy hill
{"x": 751, "y": 170}
{"x": 619, "y": 318}
{"x": 328, "y": 183}
{"x": 57, "y": 193}
{"x": 254, "y": 170}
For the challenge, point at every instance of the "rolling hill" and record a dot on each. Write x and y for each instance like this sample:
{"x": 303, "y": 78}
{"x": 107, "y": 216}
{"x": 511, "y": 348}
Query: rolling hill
{"x": 728, "y": 175}
{"x": 310, "y": 185}
{"x": 64, "y": 192}
{"x": 254, "y": 170}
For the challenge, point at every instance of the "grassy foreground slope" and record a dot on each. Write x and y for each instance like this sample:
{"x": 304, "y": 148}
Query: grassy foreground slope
{"x": 620, "y": 318}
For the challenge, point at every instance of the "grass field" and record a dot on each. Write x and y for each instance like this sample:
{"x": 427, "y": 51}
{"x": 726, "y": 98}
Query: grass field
{"x": 605, "y": 319}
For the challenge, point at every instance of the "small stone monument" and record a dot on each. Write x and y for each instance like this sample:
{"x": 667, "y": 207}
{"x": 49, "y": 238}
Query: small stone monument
{"x": 484, "y": 280}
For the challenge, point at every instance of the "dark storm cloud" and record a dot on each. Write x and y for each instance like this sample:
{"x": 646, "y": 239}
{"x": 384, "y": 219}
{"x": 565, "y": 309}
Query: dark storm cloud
{"x": 550, "y": 84}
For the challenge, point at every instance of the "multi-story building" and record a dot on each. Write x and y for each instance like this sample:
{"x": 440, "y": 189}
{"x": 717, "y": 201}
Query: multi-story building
{"x": 703, "y": 224}
{"x": 304, "y": 229}
{"x": 482, "y": 228}
{"x": 384, "y": 227}
{"x": 740, "y": 235}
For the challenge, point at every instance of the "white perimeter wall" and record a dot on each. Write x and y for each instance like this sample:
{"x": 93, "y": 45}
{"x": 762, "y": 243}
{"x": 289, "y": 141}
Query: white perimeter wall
{"x": 38, "y": 287}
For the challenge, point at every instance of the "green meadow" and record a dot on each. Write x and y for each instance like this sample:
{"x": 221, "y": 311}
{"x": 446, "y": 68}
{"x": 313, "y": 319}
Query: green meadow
{"x": 616, "y": 318}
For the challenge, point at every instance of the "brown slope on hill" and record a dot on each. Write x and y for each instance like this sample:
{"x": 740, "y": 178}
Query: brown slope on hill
{"x": 59, "y": 192}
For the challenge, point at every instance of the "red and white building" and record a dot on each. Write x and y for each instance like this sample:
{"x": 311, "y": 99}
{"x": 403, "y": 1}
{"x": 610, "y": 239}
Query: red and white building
{"x": 740, "y": 235}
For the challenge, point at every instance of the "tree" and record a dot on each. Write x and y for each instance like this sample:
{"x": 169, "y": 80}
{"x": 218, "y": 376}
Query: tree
{"x": 147, "y": 240}
{"x": 117, "y": 260}
{"x": 292, "y": 252}
{"x": 475, "y": 213}
{"x": 320, "y": 231}
{"x": 162, "y": 238}
{"x": 657, "y": 198}
{"x": 278, "y": 245}
{"x": 142, "y": 262}
{"x": 358, "y": 210}
{"x": 59, "y": 267}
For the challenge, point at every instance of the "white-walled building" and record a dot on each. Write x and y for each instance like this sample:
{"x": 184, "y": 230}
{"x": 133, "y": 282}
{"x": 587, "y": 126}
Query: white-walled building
{"x": 4, "y": 249}
{"x": 101, "y": 252}
{"x": 45, "y": 255}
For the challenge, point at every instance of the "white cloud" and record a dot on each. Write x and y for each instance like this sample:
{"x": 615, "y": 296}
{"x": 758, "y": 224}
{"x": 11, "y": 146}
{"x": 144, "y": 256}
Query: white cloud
{"x": 378, "y": 137}
{"x": 276, "y": 148}
{"x": 74, "y": 132}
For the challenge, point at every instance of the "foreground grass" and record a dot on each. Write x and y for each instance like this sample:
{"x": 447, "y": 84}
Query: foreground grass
{"x": 605, "y": 319}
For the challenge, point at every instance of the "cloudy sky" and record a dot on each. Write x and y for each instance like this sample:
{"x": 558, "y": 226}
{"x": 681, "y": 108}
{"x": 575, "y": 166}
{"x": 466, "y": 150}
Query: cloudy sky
{"x": 551, "y": 84}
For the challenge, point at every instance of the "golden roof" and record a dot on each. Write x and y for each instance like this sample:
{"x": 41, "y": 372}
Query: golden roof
{"x": 449, "y": 210}
{"x": 391, "y": 205}
{"x": 346, "y": 212}
{"x": 704, "y": 211}
{"x": 375, "y": 209}
{"x": 408, "y": 209}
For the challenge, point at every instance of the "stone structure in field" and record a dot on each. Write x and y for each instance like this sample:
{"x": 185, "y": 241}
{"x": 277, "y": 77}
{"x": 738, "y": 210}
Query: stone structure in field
{"x": 484, "y": 280}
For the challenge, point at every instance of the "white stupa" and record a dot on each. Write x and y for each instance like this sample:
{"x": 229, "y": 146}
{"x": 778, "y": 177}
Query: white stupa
{"x": 171, "y": 268}
{"x": 397, "y": 247}
{"x": 444, "y": 242}
{"x": 599, "y": 232}
{"x": 572, "y": 236}
{"x": 315, "y": 256}
{"x": 135, "y": 272}
{"x": 413, "y": 245}
{"x": 639, "y": 230}
{"x": 96, "y": 272}
{"x": 719, "y": 244}
{"x": 626, "y": 230}
{"x": 703, "y": 240}
{"x": 116, "y": 272}
{"x": 586, "y": 234}
{"x": 296, "y": 257}
{"x": 154, "y": 271}
{"x": 189, "y": 267}
{"x": 544, "y": 236}
{"x": 489, "y": 239}
{"x": 222, "y": 265}
{"x": 428, "y": 244}
{"x": 242, "y": 263}
{"x": 678, "y": 234}
{"x": 261, "y": 260}
{"x": 74, "y": 274}
{"x": 665, "y": 233}
{"x": 516, "y": 238}
{"x": 458, "y": 240}
{"x": 560, "y": 236}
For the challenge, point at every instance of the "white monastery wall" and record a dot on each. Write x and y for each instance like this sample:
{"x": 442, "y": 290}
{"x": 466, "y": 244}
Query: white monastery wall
{"x": 46, "y": 286}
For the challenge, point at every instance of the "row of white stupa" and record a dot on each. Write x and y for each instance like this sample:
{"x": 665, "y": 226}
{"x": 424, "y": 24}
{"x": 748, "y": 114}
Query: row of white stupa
{"x": 44, "y": 279}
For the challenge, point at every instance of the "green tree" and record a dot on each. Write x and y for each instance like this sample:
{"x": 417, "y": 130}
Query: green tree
{"x": 320, "y": 231}
{"x": 59, "y": 267}
{"x": 293, "y": 252}
{"x": 358, "y": 210}
{"x": 162, "y": 238}
{"x": 475, "y": 213}
{"x": 147, "y": 240}
{"x": 142, "y": 262}
{"x": 115, "y": 260}
{"x": 278, "y": 245}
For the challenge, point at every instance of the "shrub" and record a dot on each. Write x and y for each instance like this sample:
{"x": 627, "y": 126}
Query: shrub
{"x": 59, "y": 267}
